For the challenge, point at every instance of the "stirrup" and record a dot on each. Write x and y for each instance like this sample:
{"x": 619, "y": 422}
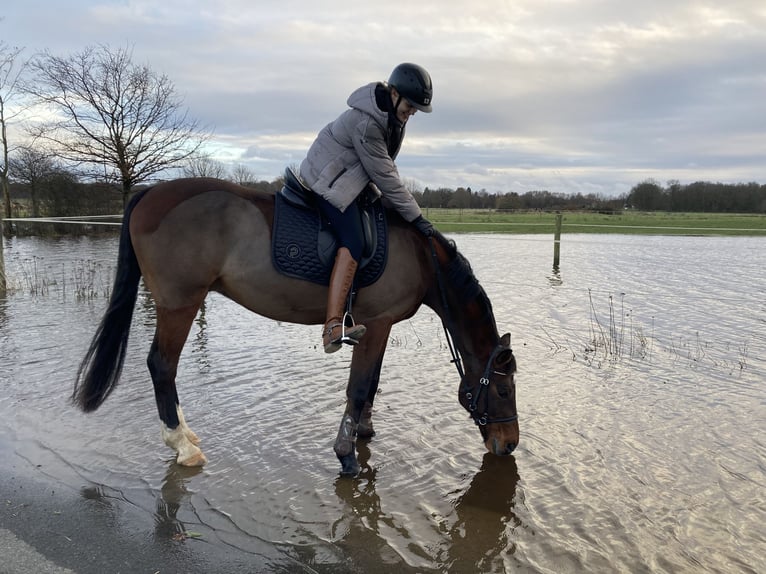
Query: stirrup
{"x": 349, "y": 335}
{"x": 350, "y": 332}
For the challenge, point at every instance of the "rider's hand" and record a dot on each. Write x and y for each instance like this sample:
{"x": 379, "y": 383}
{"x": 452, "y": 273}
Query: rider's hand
{"x": 424, "y": 226}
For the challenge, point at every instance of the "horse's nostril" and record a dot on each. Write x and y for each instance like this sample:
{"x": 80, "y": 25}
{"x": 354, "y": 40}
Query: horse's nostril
{"x": 510, "y": 447}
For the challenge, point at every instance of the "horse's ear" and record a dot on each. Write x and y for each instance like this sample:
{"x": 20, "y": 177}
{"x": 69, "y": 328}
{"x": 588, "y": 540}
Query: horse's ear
{"x": 505, "y": 356}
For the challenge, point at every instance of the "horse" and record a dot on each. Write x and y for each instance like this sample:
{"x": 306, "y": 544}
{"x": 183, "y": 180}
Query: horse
{"x": 187, "y": 237}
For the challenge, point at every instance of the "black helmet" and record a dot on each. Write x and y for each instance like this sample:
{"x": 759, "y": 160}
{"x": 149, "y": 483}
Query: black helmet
{"x": 414, "y": 84}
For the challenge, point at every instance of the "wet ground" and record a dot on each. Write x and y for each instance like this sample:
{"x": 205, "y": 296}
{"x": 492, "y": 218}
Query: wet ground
{"x": 640, "y": 392}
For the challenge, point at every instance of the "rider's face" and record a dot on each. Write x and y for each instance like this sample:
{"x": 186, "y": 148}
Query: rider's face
{"x": 405, "y": 109}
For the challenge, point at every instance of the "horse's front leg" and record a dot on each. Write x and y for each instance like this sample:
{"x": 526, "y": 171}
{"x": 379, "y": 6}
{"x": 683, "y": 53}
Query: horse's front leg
{"x": 364, "y": 429}
{"x": 365, "y": 372}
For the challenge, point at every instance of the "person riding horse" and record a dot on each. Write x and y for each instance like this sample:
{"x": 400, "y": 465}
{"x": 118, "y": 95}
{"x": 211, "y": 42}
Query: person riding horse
{"x": 354, "y": 153}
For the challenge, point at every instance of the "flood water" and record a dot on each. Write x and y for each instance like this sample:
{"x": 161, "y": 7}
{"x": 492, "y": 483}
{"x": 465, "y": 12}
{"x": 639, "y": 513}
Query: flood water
{"x": 641, "y": 398}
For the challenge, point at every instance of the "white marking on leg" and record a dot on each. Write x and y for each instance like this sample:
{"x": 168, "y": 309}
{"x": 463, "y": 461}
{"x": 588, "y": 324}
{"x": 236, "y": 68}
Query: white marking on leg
{"x": 188, "y": 454}
{"x": 190, "y": 434}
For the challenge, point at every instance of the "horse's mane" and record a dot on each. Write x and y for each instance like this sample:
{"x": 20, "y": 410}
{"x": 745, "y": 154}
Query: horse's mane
{"x": 461, "y": 278}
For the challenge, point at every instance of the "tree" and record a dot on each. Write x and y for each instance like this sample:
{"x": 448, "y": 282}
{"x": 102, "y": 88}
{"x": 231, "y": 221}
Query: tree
{"x": 10, "y": 73}
{"x": 648, "y": 196}
{"x": 33, "y": 168}
{"x": 460, "y": 199}
{"x": 203, "y": 166}
{"x": 242, "y": 174}
{"x": 119, "y": 120}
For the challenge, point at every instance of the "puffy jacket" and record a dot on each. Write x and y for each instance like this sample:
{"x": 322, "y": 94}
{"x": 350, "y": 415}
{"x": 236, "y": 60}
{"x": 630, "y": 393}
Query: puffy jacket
{"x": 352, "y": 152}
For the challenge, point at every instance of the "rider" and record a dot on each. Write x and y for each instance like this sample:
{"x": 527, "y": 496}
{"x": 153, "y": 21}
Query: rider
{"x": 354, "y": 153}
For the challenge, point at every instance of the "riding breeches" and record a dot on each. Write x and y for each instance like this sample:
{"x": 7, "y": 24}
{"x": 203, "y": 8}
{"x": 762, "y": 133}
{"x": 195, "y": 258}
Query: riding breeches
{"x": 346, "y": 226}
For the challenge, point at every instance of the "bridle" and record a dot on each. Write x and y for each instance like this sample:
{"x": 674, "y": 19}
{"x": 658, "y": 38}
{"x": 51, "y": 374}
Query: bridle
{"x": 472, "y": 394}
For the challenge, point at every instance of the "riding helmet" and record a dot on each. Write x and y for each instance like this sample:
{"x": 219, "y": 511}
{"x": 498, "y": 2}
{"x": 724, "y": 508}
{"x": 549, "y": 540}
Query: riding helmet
{"x": 414, "y": 84}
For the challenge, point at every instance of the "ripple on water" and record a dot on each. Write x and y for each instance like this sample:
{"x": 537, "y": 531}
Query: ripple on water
{"x": 646, "y": 458}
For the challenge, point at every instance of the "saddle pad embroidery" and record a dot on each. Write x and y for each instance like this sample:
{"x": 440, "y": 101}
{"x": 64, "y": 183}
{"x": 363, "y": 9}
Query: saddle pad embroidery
{"x": 294, "y": 245}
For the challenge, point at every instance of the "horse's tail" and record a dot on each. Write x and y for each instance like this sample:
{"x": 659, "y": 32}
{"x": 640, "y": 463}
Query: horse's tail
{"x": 100, "y": 369}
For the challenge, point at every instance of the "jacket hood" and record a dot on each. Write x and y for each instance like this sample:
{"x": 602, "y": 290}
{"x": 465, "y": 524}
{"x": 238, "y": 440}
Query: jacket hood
{"x": 363, "y": 99}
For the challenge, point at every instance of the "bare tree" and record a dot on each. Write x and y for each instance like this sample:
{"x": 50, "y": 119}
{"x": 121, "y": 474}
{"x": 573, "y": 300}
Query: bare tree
{"x": 10, "y": 72}
{"x": 203, "y": 166}
{"x": 242, "y": 174}
{"x": 119, "y": 120}
{"x": 34, "y": 168}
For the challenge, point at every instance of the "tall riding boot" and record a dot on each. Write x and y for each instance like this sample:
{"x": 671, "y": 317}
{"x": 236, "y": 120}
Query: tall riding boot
{"x": 335, "y": 331}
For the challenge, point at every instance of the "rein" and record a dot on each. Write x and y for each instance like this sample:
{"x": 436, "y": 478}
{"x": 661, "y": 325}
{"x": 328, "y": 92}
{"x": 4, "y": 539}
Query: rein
{"x": 473, "y": 398}
{"x": 443, "y": 292}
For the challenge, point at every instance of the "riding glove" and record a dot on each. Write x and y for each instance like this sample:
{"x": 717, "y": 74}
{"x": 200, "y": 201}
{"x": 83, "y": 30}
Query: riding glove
{"x": 424, "y": 226}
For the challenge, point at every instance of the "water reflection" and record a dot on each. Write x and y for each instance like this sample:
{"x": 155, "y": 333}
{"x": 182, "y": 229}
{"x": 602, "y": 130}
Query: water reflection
{"x": 200, "y": 340}
{"x": 364, "y": 516}
{"x": 555, "y": 278}
{"x": 479, "y": 538}
{"x": 482, "y": 526}
{"x": 173, "y": 496}
{"x": 3, "y": 313}
{"x": 702, "y": 332}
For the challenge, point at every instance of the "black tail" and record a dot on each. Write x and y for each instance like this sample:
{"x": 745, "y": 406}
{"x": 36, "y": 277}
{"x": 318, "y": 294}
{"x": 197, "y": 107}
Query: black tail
{"x": 100, "y": 369}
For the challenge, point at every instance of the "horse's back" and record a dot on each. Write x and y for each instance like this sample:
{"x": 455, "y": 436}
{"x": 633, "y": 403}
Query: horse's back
{"x": 196, "y": 235}
{"x": 189, "y": 233}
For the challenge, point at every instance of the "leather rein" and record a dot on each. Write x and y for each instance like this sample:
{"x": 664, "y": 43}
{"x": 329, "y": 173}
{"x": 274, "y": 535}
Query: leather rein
{"x": 472, "y": 394}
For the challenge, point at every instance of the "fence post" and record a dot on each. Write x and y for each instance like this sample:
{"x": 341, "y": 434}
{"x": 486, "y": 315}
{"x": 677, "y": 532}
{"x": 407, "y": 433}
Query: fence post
{"x": 557, "y": 242}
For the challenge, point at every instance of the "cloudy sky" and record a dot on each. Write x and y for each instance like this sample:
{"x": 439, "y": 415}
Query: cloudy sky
{"x": 589, "y": 96}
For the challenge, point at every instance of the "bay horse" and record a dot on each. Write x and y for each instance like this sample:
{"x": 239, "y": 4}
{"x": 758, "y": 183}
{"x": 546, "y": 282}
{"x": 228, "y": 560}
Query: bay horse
{"x": 188, "y": 237}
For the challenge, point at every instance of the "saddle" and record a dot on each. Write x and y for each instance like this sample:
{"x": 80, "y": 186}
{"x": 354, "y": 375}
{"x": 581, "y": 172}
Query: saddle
{"x": 303, "y": 244}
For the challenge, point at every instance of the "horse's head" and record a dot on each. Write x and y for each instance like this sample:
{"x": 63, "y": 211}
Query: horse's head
{"x": 487, "y": 388}
{"x": 489, "y": 397}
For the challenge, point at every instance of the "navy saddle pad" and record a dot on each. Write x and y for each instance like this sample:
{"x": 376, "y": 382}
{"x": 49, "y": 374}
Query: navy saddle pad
{"x": 303, "y": 246}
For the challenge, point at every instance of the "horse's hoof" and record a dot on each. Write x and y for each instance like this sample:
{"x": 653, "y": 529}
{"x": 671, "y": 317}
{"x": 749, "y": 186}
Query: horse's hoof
{"x": 350, "y": 466}
{"x": 197, "y": 459}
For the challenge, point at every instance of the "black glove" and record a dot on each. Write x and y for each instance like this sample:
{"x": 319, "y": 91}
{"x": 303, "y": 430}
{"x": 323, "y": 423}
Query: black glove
{"x": 424, "y": 226}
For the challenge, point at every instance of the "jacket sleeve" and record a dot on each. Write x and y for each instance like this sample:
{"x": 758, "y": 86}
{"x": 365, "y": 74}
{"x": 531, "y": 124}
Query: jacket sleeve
{"x": 370, "y": 146}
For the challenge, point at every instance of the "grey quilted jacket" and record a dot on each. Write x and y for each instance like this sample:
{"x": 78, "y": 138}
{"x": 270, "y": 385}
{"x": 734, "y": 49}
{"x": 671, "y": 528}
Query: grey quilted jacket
{"x": 351, "y": 152}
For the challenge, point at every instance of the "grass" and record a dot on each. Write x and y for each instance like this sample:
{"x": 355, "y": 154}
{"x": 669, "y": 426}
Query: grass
{"x": 627, "y": 222}
{"x": 82, "y": 279}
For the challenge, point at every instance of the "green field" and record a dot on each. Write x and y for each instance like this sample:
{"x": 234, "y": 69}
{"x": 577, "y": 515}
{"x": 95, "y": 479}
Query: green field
{"x": 627, "y": 222}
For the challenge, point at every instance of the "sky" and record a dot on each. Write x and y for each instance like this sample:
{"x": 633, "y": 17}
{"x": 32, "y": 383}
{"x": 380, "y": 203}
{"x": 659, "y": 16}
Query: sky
{"x": 569, "y": 96}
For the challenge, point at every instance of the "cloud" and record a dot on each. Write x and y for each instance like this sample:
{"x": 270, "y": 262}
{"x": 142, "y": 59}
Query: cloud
{"x": 563, "y": 95}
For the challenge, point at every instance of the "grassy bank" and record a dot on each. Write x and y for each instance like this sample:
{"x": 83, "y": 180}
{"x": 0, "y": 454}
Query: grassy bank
{"x": 627, "y": 222}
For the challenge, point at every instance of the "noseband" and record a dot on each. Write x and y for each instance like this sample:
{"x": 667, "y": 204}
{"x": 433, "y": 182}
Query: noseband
{"x": 471, "y": 394}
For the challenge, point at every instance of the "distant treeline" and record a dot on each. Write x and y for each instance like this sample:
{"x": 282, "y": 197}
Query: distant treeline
{"x": 646, "y": 196}
{"x": 700, "y": 196}
{"x": 64, "y": 195}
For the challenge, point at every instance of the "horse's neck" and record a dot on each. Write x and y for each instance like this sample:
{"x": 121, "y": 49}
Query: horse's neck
{"x": 463, "y": 308}
{"x": 474, "y": 350}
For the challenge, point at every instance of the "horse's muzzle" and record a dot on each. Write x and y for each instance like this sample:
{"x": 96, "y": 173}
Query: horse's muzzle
{"x": 499, "y": 447}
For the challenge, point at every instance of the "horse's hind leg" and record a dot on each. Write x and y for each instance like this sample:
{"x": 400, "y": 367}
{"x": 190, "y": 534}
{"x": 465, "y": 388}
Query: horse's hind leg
{"x": 172, "y": 329}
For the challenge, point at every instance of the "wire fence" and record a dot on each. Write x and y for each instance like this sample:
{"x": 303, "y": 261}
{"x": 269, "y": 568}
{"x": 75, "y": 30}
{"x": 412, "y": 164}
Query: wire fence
{"x": 78, "y": 219}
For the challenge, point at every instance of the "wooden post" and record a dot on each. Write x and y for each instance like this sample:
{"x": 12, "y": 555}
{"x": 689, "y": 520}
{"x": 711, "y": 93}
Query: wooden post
{"x": 557, "y": 242}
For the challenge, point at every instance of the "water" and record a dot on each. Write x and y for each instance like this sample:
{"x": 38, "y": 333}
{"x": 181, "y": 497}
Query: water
{"x": 640, "y": 394}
